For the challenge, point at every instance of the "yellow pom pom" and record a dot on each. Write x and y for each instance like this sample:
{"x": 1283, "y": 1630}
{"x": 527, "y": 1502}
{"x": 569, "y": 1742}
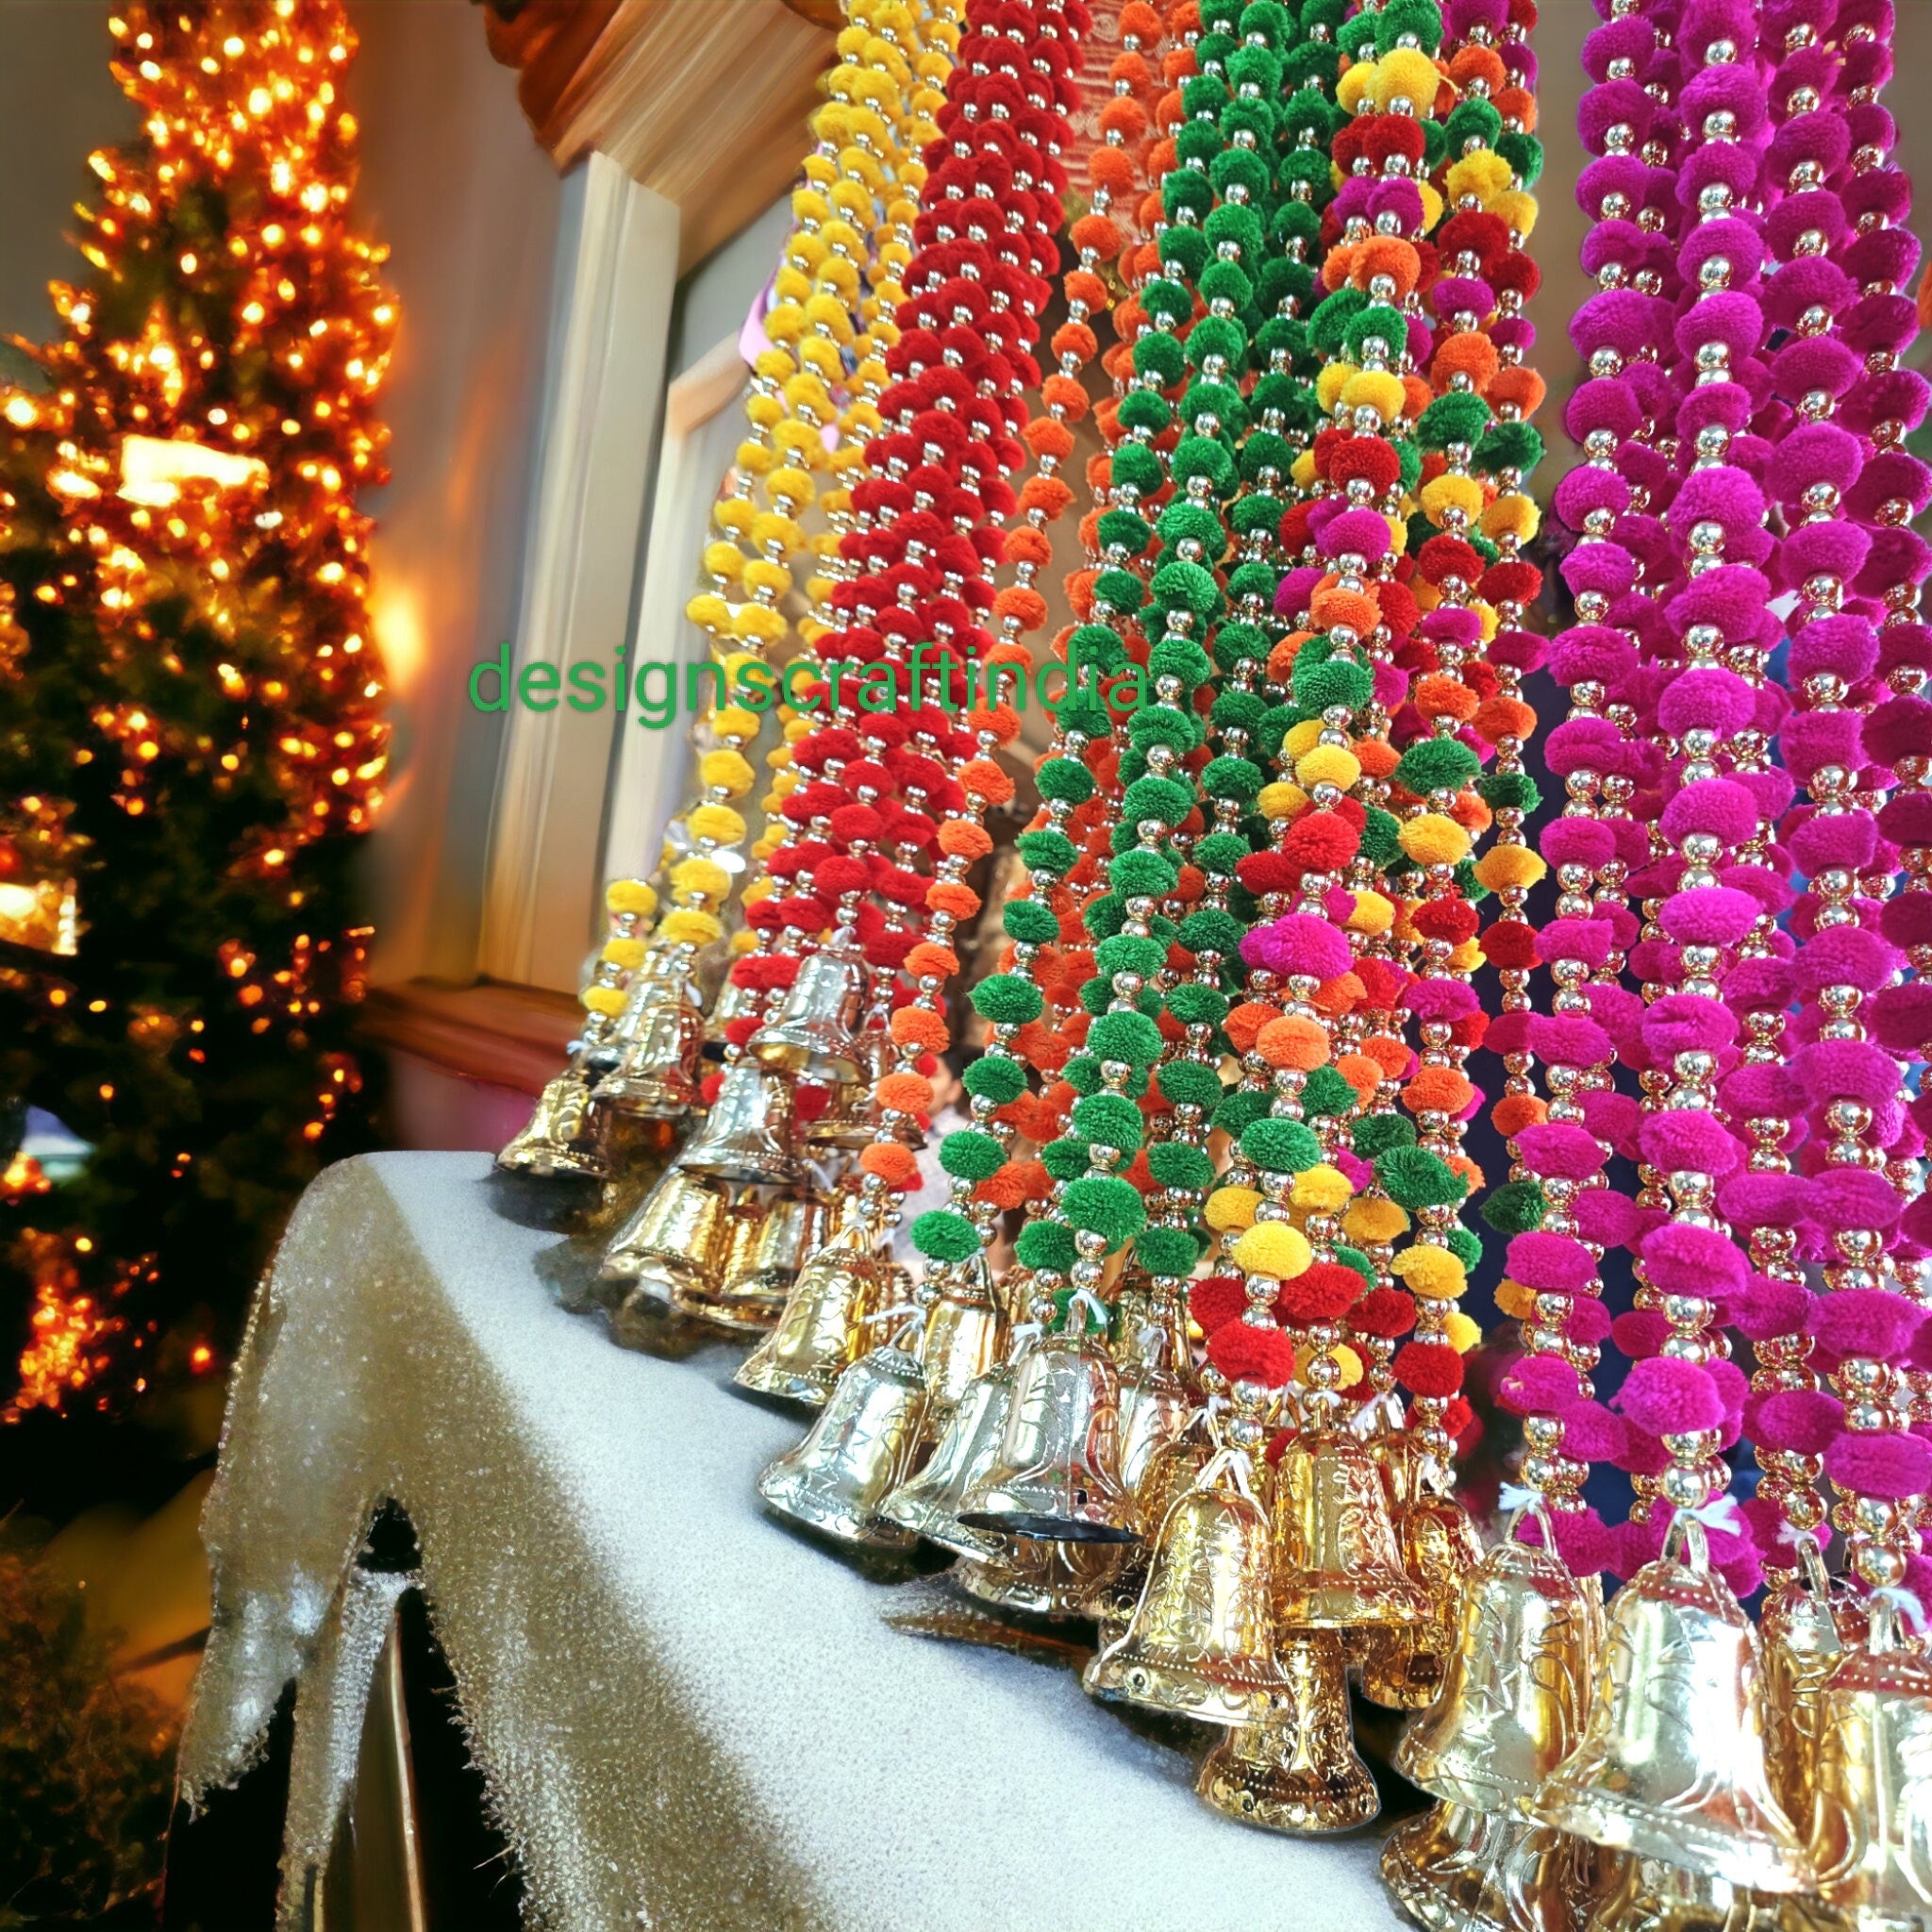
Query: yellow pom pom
{"x": 1445, "y": 493}
{"x": 1304, "y": 471}
{"x": 629, "y": 954}
{"x": 1406, "y": 73}
{"x": 1505, "y": 868}
{"x": 1398, "y": 535}
{"x": 773, "y": 365}
{"x": 1487, "y": 620}
{"x": 630, "y": 895}
{"x": 743, "y": 940}
{"x": 771, "y": 531}
{"x": 607, "y": 1000}
{"x": 799, "y": 728}
{"x": 1230, "y": 1208}
{"x": 1511, "y": 516}
{"x": 1373, "y": 914}
{"x": 1327, "y": 764}
{"x": 735, "y": 514}
{"x": 1348, "y": 1366}
{"x": 1514, "y": 1300}
{"x": 688, "y": 928}
{"x": 733, "y": 720}
{"x": 1271, "y": 1247}
{"x": 729, "y": 772}
{"x": 1329, "y": 384}
{"x": 1370, "y": 1219}
{"x": 1460, "y": 1332}
{"x": 758, "y": 623}
{"x": 761, "y": 574}
{"x": 1435, "y": 1273}
{"x": 1321, "y": 1190}
{"x": 724, "y": 560}
{"x": 1280, "y": 801}
{"x": 1357, "y": 86}
{"x": 1433, "y": 839}
{"x": 758, "y": 889}
{"x": 1466, "y": 958}
{"x": 1482, "y": 174}
{"x": 791, "y": 489}
{"x": 1302, "y": 737}
{"x": 700, "y": 878}
{"x": 717, "y": 824}
{"x": 1518, "y": 209}
{"x": 1432, "y": 205}
{"x": 1376, "y": 389}
{"x": 709, "y": 612}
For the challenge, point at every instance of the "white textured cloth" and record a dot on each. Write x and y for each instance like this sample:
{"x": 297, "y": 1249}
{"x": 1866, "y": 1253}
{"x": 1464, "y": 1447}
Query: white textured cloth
{"x": 687, "y": 1718}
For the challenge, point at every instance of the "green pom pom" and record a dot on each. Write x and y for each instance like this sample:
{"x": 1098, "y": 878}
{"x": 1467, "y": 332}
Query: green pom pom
{"x": 1167, "y": 1251}
{"x": 1131, "y": 1038}
{"x": 1510, "y": 446}
{"x": 1050, "y": 852}
{"x": 1134, "y": 466}
{"x": 1192, "y": 523}
{"x": 1162, "y": 357}
{"x": 1028, "y": 923}
{"x": 1082, "y": 1073}
{"x": 1109, "y": 1207}
{"x": 1118, "y": 590}
{"x": 971, "y": 1154}
{"x": 1103, "y": 917}
{"x": 1174, "y": 1164}
{"x": 1335, "y": 685}
{"x": 1328, "y": 326}
{"x": 943, "y": 1236}
{"x": 1466, "y": 1245}
{"x": 1163, "y": 724}
{"x": 1155, "y": 798}
{"x": 1124, "y": 953}
{"x": 1238, "y": 710}
{"x": 1474, "y": 120}
{"x": 1509, "y": 791}
{"x": 1215, "y": 339}
{"x": 1240, "y": 1111}
{"x": 1258, "y": 69}
{"x": 1415, "y": 1177}
{"x": 1198, "y": 457}
{"x": 1109, "y": 1120}
{"x": 1087, "y": 1323}
{"x": 1458, "y": 417}
{"x": 1007, "y": 1000}
{"x": 1354, "y": 1258}
{"x": 1436, "y": 764}
{"x": 1514, "y": 1207}
{"x": 1213, "y": 931}
{"x": 1467, "y": 883}
{"x": 1065, "y": 1159}
{"x": 1186, "y": 1083}
{"x": 1196, "y": 1006}
{"x": 1219, "y": 853}
{"x": 1281, "y": 1147}
{"x": 1377, "y": 322}
{"x": 1376, "y": 1135}
{"x": 1146, "y": 408}
{"x": 1326, "y": 1093}
{"x": 1187, "y": 193}
{"x": 1045, "y": 1247}
{"x": 992, "y": 1079}
{"x": 1182, "y": 659}
{"x": 1139, "y": 874}
{"x": 1123, "y": 532}
{"x": 1234, "y": 779}
{"x": 1381, "y": 838}
{"x": 1525, "y": 153}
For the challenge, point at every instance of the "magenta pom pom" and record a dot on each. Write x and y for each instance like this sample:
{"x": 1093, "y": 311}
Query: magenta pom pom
{"x": 1639, "y": 1332}
{"x": 1680, "y": 1022}
{"x": 1509, "y": 1033}
{"x": 1720, "y": 494}
{"x": 1669, "y": 1397}
{"x": 1589, "y": 1323}
{"x": 1569, "y": 1040}
{"x": 1358, "y": 532}
{"x": 1772, "y": 789}
{"x": 1706, "y": 700}
{"x": 1839, "y": 646}
{"x": 1709, "y": 916}
{"x": 1848, "y": 840}
{"x": 1588, "y": 939}
{"x": 1899, "y": 728}
{"x": 1845, "y": 955}
{"x": 1550, "y": 1263}
{"x": 1880, "y": 1465}
{"x": 1604, "y": 569}
{"x": 1714, "y": 806}
{"x": 1614, "y": 1117}
{"x": 1557, "y": 1151}
{"x": 1538, "y": 1385}
{"x": 1683, "y": 1260}
{"x": 1854, "y": 1197}
{"x": 1765, "y": 1092}
{"x": 1688, "y": 1142}
{"x": 1301, "y": 944}
{"x": 1902, "y": 1017}
{"x": 1765, "y": 1307}
{"x": 1815, "y": 739}
{"x": 1441, "y": 999}
{"x": 1584, "y": 744}
{"x": 1811, "y": 455}
{"x": 1770, "y": 891}
{"x": 1804, "y": 1422}
{"x": 1765, "y": 1200}
{"x": 1592, "y": 1433}
{"x": 1906, "y": 819}
{"x": 1732, "y": 1384}
{"x": 1759, "y": 985}
{"x": 1605, "y": 1217}
{"x": 1866, "y": 1322}
{"x": 1834, "y": 549}
{"x": 1845, "y": 1068}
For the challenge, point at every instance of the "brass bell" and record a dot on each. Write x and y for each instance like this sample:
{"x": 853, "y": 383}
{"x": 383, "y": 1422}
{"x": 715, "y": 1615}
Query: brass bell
{"x": 1455, "y": 1870}
{"x": 1671, "y": 1763}
{"x": 675, "y": 1242}
{"x": 659, "y": 1036}
{"x": 813, "y": 1035}
{"x": 855, "y": 1454}
{"x": 1296, "y": 1770}
{"x": 1872, "y": 1810}
{"x": 1056, "y": 1476}
{"x": 1405, "y": 1665}
{"x": 1513, "y": 1703}
{"x": 1155, "y": 1410}
{"x": 929, "y": 1504}
{"x": 565, "y": 1135}
{"x": 1650, "y": 1895}
{"x": 1798, "y": 1627}
{"x": 814, "y": 1338}
{"x": 961, "y": 1339}
{"x": 769, "y": 1243}
{"x": 1039, "y": 1579}
{"x": 1172, "y": 1471}
{"x": 1336, "y": 1566}
{"x": 747, "y": 1135}
{"x": 1201, "y": 1640}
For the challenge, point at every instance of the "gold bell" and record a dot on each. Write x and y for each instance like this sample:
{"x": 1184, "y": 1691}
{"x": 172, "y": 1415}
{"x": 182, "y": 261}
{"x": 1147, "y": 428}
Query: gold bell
{"x": 747, "y": 1135}
{"x": 1871, "y": 1809}
{"x": 855, "y": 1454}
{"x": 1201, "y": 1640}
{"x": 1298, "y": 1770}
{"x": 929, "y": 1503}
{"x": 1514, "y": 1701}
{"x": 1650, "y": 1895}
{"x": 1455, "y": 1870}
{"x": 1671, "y": 1763}
{"x": 961, "y": 1341}
{"x": 1336, "y": 1566}
{"x": 565, "y": 1135}
{"x": 1172, "y": 1471}
{"x": 673, "y": 1242}
{"x": 659, "y": 1036}
{"x": 813, "y": 1342}
{"x": 769, "y": 1243}
{"x": 1799, "y": 1629}
{"x": 1056, "y": 1474}
{"x": 813, "y": 1035}
{"x": 1154, "y": 1410}
{"x": 1404, "y": 1665}
{"x": 1039, "y": 1579}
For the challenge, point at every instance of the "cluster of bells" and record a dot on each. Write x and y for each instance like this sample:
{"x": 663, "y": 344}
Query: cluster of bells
{"x": 1658, "y": 1767}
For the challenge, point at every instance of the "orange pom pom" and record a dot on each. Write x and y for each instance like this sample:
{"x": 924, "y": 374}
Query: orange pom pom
{"x": 1470, "y": 813}
{"x": 1521, "y": 388}
{"x": 1336, "y": 265}
{"x": 1387, "y": 256}
{"x": 1108, "y": 168}
{"x": 985, "y": 779}
{"x": 1293, "y": 1042}
{"x": 1025, "y": 606}
{"x": 1338, "y": 995}
{"x": 1515, "y": 1111}
{"x": 929, "y": 961}
{"x": 1361, "y": 1072}
{"x": 1049, "y": 497}
{"x": 943, "y": 895}
{"x": 918, "y": 1031}
{"x": 1416, "y": 396}
{"x": 1245, "y": 1022}
{"x": 1389, "y": 1053}
{"x": 1028, "y": 546}
{"x": 904, "y": 1092}
{"x": 1046, "y": 438}
{"x": 1471, "y": 354}
{"x": 1002, "y": 721}
{"x": 1479, "y": 63}
{"x": 894, "y": 1164}
{"x": 1355, "y": 611}
{"x": 1063, "y": 393}
{"x": 1441, "y": 695}
{"x": 1516, "y": 103}
{"x": 1088, "y": 289}
{"x": 1095, "y": 232}
{"x": 1462, "y": 1164}
{"x": 1377, "y": 756}
{"x": 1075, "y": 337}
{"x": 1502, "y": 718}
{"x": 1437, "y": 1090}
{"x": 962, "y": 839}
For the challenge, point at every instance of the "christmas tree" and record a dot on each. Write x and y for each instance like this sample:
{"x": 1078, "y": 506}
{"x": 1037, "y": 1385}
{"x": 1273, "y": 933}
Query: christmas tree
{"x": 191, "y": 734}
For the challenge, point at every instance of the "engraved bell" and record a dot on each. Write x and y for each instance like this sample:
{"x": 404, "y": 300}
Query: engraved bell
{"x": 961, "y": 1339}
{"x": 1156, "y": 1408}
{"x": 661, "y": 1038}
{"x": 769, "y": 1243}
{"x": 1336, "y": 1566}
{"x": 564, "y": 1136}
{"x": 673, "y": 1242}
{"x": 813, "y": 1340}
{"x": 1799, "y": 1627}
{"x": 747, "y": 1135}
{"x": 1056, "y": 1476}
{"x": 1039, "y": 1579}
{"x": 1650, "y": 1895}
{"x": 813, "y": 1035}
{"x": 1404, "y": 1665}
{"x": 929, "y": 1504}
{"x": 855, "y": 1454}
{"x": 1298, "y": 1770}
{"x": 1513, "y": 1703}
{"x": 1455, "y": 1870}
{"x": 1872, "y": 1810}
{"x": 1201, "y": 1640}
{"x": 1671, "y": 1763}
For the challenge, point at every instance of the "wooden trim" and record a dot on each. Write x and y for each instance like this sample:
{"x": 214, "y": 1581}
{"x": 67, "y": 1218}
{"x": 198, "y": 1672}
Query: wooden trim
{"x": 509, "y": 1035}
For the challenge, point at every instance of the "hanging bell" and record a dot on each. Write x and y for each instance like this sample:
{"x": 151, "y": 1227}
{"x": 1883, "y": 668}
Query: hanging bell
{"x": 1056, "y": 1477}
{"x": 1336, "y": 1566}
{"x": 1513, "y": 1703}
{"x": 1201, "y": 1640}
{"x": 1405, "y": 1665}
{"x": 1040, "y": 1579}
{"x": 1671, "y": 1762}
{"x": 929, "y": 1503}
{"x": 747, "y": 1135}
{"x": 661, "y": 1038}
{"x": 855, "y": 1454}
{"x": 1172, "y": 1471}
{"x": 1799, "y": 1627}
{"x": 961, "y": 1341}
{"x": 673, "y": 1243}
{"x": 1155, "y": 1410}
{"x": 565, "y": 1135}
{"x": 769, "y": 1243}
{"x": 1871, "y": 1809}
{"x": 1456, "y": 1869}
{"x": 813, "y": 1035}
{"x": 1296, "y": 1770}
{"x": 1650, "y": 1895}
{"x": 814, "y": 1338}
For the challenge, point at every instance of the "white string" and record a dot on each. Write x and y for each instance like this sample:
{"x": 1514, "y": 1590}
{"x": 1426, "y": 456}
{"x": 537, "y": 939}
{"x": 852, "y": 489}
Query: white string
{"x": 1022, "y": 1336}
{"x": 1721, "y": 1512}
{"x": 912, "y": 1313}
{"x": 1904, "y": 1601}
{"x": 1087, "y": 1303}
{"x": 1513, "y": 1496}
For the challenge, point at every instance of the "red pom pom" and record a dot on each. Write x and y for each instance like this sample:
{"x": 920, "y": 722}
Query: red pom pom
{"x": 1453, "y": 919}
{"x": 1428, "y": 1367}
{"x": 1511, "y": 943}
{"x": 1323, "y": 1292}
{"x": 1319, "y": 841}
{"x": 1442, "y": 558}
{"x": 1458, "y": 1419}
{"x": 1266, "y": 871}
{"x": 1245, "y": 1354}
{"x": 1218, "y": 1300}
{"x": 1384, "y": 1311}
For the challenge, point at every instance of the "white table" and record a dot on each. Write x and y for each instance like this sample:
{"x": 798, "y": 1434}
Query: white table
{"x": 688, "y": 1717}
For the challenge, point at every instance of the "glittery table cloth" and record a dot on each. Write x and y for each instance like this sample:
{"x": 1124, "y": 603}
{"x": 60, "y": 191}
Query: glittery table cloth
{"x": 687, "y": 1717}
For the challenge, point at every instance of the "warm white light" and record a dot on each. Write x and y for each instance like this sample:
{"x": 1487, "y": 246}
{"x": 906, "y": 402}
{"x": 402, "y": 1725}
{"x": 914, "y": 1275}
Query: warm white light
{"x": 153, "y": 468}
